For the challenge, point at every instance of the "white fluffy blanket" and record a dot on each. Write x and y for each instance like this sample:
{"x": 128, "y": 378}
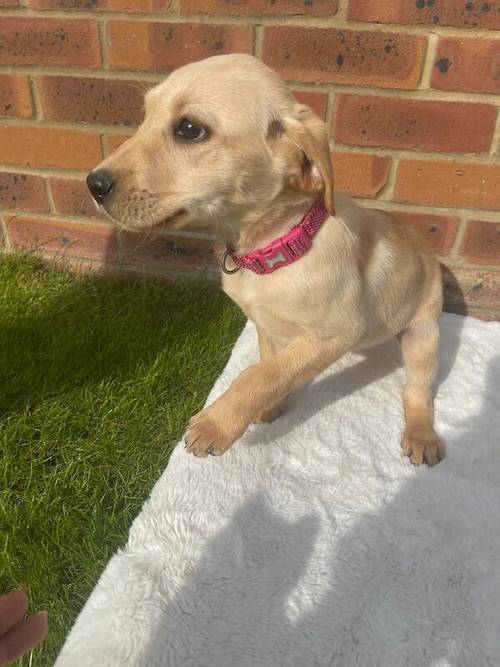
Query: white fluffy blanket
{"x": 313, "y": 541}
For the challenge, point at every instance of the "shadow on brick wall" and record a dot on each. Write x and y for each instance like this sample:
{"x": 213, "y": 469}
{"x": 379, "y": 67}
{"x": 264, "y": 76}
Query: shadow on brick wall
{"x": 454, "y": 298}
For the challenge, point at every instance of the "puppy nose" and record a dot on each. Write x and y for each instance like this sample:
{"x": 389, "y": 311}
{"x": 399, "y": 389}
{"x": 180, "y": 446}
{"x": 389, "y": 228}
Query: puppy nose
{"x": 100, "y": 184}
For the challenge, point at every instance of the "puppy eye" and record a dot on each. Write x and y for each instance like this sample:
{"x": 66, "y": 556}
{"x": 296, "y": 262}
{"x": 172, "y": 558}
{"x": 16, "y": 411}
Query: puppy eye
{"x": 190, "y": 131}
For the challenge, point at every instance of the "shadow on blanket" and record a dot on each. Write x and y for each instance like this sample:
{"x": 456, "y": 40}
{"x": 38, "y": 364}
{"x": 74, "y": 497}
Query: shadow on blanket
{"x": 413, "y": 582}
{"x": 377, "y": 362}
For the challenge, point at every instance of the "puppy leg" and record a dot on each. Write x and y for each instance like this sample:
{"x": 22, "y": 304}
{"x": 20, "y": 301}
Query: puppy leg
{"x": 261, "y": 387}
{"x": 419, "y": 344}
{"x": 267, "y": 349}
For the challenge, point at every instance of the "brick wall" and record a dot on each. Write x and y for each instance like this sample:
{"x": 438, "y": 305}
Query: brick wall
{"x": 409, "y": 90}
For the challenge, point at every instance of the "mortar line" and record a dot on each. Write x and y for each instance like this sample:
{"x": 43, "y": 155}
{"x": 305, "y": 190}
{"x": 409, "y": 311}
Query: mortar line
{"x": 495, "y": 143}
{"x": 430, "y": 58}
{"x": 342, "y": 10}
{"x": 102, "y": 146}
{"x": 82, "y": 219}
{"x": 459, "y": 238}
{"x": 463, "y": 263}
{"x": 103, "y": 44}
{"x": 328, "y": 22}
{"x": 487, "y": 215}
{"x": 50, "y": 196}
{"x": 387, "y": 192}
{"x": 51, "y": 70}
{"x": 78, "y": 126}
{"x": 55, "y": 216}
{"x": 258, "y": 40}
{"x": 430, "y": 209}
{"x": 486, "y": 159}
{"x": 431, "y": 94}
{"x": 74, "y": 174}
{"x": 37, "y": 114}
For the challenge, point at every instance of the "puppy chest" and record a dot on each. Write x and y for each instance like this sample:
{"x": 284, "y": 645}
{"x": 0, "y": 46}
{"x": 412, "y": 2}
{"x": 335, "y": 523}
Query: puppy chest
{"x": 277, "y": 306}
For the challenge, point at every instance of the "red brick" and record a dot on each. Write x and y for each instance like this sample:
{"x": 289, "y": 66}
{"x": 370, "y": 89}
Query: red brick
{"x": 23, "y": 191}
{"x": 317, "y": 55}
{"x": 439, "y": 230}
{"x": 90, "y": 240}
{"x": 48, "y": 147}
{"x": 4, "y": 4}
{"x": 470, "y": 290}
{"x": 89, "y": 100}
{"x": 458, "y": 13}
{"x": 72, "y": 197}
{"x": 482, "y": 242}
{"x": 360, "y": 174}
{"x": 40, "y": 41}
{"x": 116, "y": 140}
{"x": 15, "y": 98}
{"x": 403, "y": 123}
{"x": 167, "y": 251}
{"x": 467, "y": 64}
{"x": 102, "y": 5}
{"x": 260, "y": 7}
{"x": 166, "y": 46}
{"x": 316, "y": 101}
{"x": 449, "y": 184}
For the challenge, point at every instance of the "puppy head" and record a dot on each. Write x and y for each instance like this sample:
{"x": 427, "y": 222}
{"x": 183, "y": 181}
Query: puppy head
{"x": 220, "y": 138}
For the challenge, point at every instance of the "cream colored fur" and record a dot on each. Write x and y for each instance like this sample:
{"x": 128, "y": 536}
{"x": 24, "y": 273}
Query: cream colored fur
{"x": 366, "y": 278}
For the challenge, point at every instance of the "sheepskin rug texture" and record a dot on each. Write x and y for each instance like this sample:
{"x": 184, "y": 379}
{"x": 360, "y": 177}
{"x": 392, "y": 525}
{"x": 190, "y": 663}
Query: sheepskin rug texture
{"x": 313, "y": 540}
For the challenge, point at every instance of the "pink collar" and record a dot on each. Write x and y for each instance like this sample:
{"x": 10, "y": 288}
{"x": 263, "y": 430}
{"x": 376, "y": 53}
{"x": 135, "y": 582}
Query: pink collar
{"x": 284, "y": 250}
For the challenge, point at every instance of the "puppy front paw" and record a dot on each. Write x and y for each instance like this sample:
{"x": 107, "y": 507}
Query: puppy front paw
{"x": 423, "y": 447}
{"x": 209, "y": 433}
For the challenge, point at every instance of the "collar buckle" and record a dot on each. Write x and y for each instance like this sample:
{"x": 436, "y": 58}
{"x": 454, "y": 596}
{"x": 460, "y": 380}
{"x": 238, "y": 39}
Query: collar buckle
{"x": 223, "y": 265}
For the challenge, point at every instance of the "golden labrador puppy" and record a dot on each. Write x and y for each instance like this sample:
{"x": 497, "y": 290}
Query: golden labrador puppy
{"x": 225, "y": 143}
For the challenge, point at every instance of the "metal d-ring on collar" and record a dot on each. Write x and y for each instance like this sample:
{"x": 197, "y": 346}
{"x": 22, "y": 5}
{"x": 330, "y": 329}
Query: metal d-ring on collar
{"x": 223, "y": 264}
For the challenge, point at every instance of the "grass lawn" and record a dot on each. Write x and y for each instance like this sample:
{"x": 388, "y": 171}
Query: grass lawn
{"x": 98, "y": 378}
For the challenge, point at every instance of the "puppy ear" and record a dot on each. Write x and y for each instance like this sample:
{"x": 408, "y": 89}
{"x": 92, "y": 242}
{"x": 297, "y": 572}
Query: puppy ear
{"x": 311, "y": 166}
